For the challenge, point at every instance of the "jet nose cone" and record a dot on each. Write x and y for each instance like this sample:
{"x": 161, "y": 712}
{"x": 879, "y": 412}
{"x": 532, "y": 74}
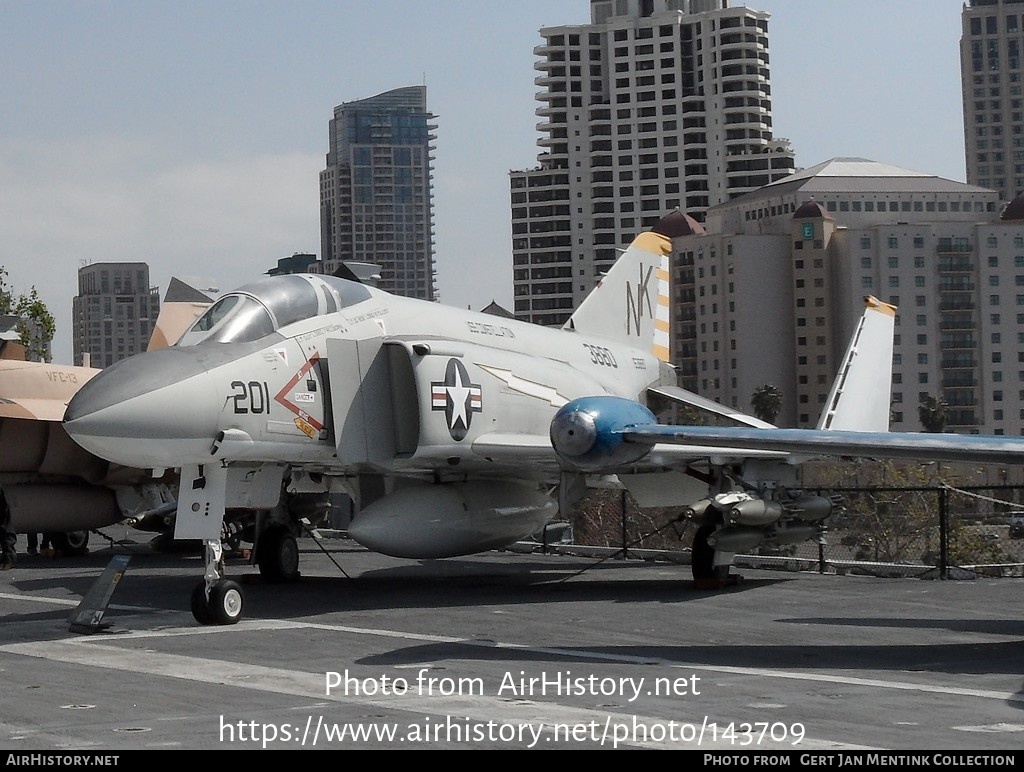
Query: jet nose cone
{"x": 146, "y": 411}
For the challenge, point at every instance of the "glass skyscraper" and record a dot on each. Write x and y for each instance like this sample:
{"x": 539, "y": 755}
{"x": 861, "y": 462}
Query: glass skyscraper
{"x": 376, "y": 192}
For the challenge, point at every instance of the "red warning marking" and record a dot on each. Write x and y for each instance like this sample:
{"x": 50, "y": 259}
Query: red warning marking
{"x": 283, "y": 400}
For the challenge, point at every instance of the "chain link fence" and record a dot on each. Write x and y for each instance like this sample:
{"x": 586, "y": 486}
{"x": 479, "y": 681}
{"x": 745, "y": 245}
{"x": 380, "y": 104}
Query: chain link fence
{"x": 937, "y": 530}
{"x": 912, "y": 531}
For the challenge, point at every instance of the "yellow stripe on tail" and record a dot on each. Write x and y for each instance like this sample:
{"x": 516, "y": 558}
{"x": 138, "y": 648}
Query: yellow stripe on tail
{"x": 632, "y": 303}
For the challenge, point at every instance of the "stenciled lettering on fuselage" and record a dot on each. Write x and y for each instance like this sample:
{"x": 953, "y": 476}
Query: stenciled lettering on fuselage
{"x": 56, "y": 376}
{"x": 458, "y": 398}
{"x": 638, "y": 300}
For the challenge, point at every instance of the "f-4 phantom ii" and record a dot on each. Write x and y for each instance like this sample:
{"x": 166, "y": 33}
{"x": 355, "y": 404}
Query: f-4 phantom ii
{"x": 438, "y": 421}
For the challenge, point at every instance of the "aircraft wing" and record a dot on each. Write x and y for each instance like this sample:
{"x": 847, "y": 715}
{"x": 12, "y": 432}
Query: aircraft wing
{"x": 598, "y": 434}
{"x": 38, "y": 390}
{"x": 539, "y": 454}
{"x": 909, "y": 445}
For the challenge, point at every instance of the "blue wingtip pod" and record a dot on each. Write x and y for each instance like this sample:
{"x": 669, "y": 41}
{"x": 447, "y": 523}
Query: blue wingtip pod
{"x": 587, "y": 432}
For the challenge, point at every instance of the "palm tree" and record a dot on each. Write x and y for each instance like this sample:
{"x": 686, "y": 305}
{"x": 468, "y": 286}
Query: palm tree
{"x": 767, "y": 402}
{"x": 933, "y": 414}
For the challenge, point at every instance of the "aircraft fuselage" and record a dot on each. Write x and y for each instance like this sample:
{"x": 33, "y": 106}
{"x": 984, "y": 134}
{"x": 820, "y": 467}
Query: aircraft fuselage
{"x": 387, "y": 383}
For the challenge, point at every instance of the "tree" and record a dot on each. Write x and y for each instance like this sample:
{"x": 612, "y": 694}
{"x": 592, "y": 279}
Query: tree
{"x": 767, "y": 402}
{"x": 890, "y": 525}
{"x": 933, "y": 412}
{"x": 36, "y": 325}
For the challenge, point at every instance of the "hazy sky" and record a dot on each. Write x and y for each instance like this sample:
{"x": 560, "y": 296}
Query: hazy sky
{"x": 190, "y": 135}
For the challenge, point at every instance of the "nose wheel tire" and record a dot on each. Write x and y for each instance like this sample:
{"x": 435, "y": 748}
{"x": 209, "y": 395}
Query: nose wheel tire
{"x": 224, "y": 606}
{"x": 277, "y": 555}
{"x": 200, "y": 608}
{"x": 226, "y": 602}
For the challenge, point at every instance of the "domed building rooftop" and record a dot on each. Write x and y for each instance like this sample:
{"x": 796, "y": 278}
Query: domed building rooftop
{"x": 811, "y": 210}
{"x": 678, "y": 224}
{"x": 1014, "y": 210}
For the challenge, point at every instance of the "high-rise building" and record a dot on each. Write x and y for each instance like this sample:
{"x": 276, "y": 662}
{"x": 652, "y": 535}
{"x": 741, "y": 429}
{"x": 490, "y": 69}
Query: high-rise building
{"x": 376, "y": 193}
{"x": 990, "y": 71}
{"x": 114, "y": 312}
{"x": 655, "y": 105}
{"x": 780, "y": 275}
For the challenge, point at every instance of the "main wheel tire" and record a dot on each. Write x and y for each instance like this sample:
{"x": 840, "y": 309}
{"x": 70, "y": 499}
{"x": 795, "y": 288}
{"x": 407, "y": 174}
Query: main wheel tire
{"x": 71, "y": 544}
{"x": 277, "y": 555}
{"x": 702, "y": 559}
{"x": 200, "y": 607}
{"x": 226, "y": 602}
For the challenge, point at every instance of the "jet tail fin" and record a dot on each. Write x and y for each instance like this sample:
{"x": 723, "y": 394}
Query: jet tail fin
{"x": 631, "y": 303}
{"x": 860, "y": 396}
{"x": 182, "y": 305}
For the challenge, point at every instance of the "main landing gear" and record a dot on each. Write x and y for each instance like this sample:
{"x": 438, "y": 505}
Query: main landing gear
{"x": 710, "y": 567}
{"x": 277, "y": 554}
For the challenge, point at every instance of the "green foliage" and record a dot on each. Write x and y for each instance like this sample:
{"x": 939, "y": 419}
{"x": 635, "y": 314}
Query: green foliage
{"x": 969, "y": 546}
{"x": 36, "y": 324}
{"x": 903, "y": 526}
{"x": 890, "y": 526}
{"x": 933, "y": 412}
{"x": 766, "y": 402}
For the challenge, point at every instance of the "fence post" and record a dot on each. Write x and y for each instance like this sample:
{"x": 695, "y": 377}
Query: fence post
{"x": 822, "y": 530}
{"x": 943, "y": 533}
{"x": 624, "y": 538}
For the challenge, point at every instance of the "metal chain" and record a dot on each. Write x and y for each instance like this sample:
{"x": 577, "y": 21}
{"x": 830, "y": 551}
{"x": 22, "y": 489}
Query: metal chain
{"x": 989, "y": 499}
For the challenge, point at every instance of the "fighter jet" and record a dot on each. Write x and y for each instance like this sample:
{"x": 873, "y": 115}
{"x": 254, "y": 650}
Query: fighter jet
{"x": 52, "y": 484}
{"x": 436, "y": 421}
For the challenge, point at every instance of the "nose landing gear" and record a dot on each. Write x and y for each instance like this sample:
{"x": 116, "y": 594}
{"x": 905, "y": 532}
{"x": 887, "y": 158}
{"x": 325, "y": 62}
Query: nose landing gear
{"x": 216, "y": 600}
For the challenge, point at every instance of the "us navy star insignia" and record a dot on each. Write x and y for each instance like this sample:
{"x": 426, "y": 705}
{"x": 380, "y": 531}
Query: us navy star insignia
{"x": 457, "y": 397}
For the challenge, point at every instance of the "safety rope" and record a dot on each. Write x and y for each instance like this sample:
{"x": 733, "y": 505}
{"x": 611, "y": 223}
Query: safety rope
{"x": 971, "y": 494}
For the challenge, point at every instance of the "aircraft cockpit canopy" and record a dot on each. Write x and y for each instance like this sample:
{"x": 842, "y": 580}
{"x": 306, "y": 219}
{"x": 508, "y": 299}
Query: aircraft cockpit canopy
{"x": 263, "y": 307}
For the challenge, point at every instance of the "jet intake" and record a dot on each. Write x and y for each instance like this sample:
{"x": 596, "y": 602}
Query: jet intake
{"x": 60, "y": 507}
{"x": 444, "y": 520}
{"x": 28, "y": 445}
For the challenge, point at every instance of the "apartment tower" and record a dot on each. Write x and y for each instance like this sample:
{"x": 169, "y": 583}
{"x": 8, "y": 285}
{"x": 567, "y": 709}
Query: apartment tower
{"x": 781, "y": 273}
{"x": 990, "y": 69}
{"x": 114, "y": 312}
{"x": 655, "y": 105}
